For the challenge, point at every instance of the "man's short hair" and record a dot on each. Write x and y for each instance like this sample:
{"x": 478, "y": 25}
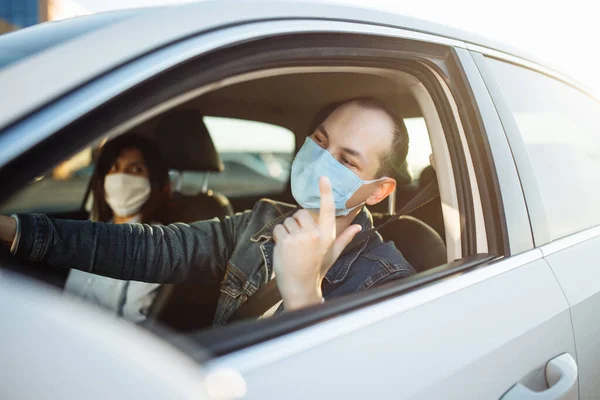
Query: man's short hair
{"x": 393, "y": 159}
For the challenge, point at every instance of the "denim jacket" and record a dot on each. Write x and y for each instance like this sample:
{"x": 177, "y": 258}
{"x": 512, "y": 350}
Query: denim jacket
{"x": 235, "y": 253}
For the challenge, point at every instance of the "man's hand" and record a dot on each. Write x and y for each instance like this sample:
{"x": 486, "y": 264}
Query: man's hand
{"x": 305, "y": 250}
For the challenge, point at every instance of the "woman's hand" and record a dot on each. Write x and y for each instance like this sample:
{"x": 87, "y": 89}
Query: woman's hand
{"x": 8, "y": 229}
{"x": 305, "y": 250}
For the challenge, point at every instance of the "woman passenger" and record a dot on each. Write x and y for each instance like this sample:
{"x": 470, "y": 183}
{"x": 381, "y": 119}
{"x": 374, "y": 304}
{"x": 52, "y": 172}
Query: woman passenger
{"x": 130, "y": 184}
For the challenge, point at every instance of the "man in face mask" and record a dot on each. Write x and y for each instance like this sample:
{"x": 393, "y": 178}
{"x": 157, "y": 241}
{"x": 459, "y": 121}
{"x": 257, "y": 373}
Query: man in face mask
{"x": 311, "y": 252}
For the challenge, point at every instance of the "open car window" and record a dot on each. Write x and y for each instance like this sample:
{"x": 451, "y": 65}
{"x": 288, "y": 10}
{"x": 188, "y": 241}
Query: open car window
{"x": 255, "y": 126}
{"x": 419, "y": 150}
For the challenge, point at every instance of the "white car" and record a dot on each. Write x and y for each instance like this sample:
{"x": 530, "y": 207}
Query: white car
{"x": 505, "y": 303}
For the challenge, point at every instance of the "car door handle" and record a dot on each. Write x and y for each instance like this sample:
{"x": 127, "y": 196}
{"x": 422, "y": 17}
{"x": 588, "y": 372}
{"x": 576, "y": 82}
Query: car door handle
{"x": 561, "y": 377}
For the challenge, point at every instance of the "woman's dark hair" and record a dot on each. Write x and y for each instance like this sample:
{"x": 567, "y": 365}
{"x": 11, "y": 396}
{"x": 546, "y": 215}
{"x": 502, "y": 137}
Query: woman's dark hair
{"x": 154, "y": 208}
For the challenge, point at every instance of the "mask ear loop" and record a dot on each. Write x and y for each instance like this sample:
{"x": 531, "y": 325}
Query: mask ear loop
{"x": 374, "y": 180}
{"x": 349, "y": 210}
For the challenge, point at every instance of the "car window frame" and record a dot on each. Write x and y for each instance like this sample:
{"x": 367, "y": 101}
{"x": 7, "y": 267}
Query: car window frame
{"x": 122, "y": 79}
{"x": 97, "y": 121}
{"x": 531, "y": 191}
{"x": 499, "y": 161}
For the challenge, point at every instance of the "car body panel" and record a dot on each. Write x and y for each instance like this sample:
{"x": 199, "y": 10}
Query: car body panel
{"x": 114, "y": 360}
{"x": 571, "y": 256}
{"x": 472, "y": 336}
{"x": 574, "y": 261}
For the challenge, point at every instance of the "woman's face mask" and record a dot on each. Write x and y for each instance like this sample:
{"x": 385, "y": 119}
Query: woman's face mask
{"x": 313, "y": 162}
{"x": 126, "y": 193}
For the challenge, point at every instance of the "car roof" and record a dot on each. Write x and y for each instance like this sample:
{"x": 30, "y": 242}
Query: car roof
{"x": 43, "y": 75}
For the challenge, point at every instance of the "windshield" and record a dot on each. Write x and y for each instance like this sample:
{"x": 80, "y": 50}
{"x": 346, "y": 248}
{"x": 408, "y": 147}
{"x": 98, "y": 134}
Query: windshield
{"x": 24, "y": 43}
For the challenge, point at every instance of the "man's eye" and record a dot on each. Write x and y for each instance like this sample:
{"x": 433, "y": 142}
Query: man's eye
{"x": 348, "y": 162}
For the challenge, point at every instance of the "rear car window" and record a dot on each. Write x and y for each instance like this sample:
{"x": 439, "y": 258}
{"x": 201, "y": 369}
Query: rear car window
{"x": 256, "y": 156}
{"x": 419, "y": 148}
{"x": 560, "y": 126}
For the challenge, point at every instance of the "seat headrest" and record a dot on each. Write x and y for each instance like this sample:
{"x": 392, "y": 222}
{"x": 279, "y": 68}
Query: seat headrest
{"x": 419, "y": 243}
{"x": 185, "y": 142}
{"x": 427, "y": 175}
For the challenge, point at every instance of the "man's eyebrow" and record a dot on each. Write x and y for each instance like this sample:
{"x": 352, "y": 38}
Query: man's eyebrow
{"x": 346, "y": 150}
{"x": 323, "y": 131}
{"x": 354, "y": 153}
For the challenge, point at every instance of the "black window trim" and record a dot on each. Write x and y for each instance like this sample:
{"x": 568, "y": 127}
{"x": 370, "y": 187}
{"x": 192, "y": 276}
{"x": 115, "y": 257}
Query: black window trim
{"x": 480, "y": 154}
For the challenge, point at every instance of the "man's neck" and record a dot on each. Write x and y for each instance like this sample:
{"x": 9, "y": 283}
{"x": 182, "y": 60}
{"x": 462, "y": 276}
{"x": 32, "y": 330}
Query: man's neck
{"x": 343, "y": 222}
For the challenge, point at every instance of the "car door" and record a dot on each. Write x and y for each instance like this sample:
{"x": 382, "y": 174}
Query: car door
{"x": 502, "y": 329}
{"x": 55, "y": 349}
{"x": 474, "y": 328}
{"x": 554, "y": 129}
{"x": 472, "y": 337}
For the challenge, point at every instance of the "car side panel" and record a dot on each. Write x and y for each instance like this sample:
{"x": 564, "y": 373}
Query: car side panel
{"x": 54, "y": 347}
{"x": 476, "y": 342}
{"x": 578, "y": 271}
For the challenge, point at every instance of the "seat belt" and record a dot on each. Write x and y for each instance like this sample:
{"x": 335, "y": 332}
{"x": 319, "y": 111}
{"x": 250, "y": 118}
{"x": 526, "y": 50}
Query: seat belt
{"x": 265, "y": 297}
{"x": 268, "y": 295}
{"x": 429, "y": 193}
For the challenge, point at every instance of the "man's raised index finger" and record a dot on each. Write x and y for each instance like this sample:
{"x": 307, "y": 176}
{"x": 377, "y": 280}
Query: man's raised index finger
{"x": 327, "y": 211}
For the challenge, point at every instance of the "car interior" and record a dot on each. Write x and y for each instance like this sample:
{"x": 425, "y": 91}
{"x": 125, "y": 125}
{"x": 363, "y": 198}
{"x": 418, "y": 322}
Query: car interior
{"x": 295, "y": 100}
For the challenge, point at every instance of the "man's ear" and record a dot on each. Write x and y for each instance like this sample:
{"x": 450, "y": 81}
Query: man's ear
{"x": 384, "y": 189}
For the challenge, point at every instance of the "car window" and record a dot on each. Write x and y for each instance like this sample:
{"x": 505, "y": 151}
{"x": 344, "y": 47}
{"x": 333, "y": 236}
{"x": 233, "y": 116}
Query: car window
{"x": 419, "y": 148}
{"x": 256, "y": 156}
{"x": 560, "y": 126}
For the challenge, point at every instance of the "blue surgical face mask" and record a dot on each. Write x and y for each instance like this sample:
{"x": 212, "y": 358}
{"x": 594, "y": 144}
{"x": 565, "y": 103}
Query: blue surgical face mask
{"x": 313, "y": 162}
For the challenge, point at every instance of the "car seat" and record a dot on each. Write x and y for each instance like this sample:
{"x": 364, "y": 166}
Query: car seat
{"x": 186, "y": 144}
